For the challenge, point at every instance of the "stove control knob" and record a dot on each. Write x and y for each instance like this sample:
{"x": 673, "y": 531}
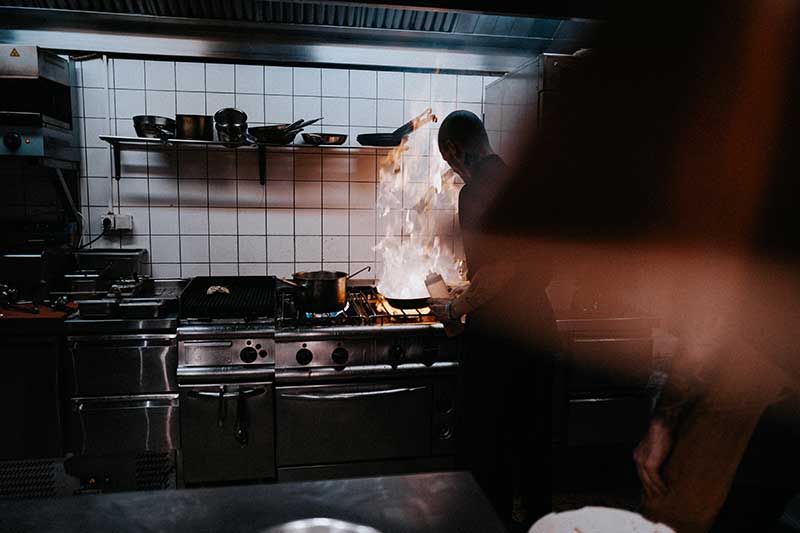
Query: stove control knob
{"x": 12, "y": 140}
{"x": 396, "y": 353}
{"x": 248, "y": 354}
{"x": 340, "y": 356}
{"x": 304, "y": 356}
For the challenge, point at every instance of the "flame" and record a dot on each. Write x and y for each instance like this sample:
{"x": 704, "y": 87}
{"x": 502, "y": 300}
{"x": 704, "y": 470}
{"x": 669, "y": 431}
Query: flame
{"x": 411, "y": 247}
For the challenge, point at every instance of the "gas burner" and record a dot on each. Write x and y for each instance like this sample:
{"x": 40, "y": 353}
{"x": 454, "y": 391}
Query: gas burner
{"x": 324, "y": 316}
{"x": 365, "y": 307}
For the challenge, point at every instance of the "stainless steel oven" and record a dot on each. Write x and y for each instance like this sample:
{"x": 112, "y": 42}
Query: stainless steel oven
{"x": 226, "y": 374}
{"x": 388, "y": 426}
{"x": 227, "y": 432}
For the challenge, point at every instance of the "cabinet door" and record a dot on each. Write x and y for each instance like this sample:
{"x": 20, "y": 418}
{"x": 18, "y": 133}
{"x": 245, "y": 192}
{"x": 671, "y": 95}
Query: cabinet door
{"x": 600, "y": 364}
{"x": 29, "y": 391}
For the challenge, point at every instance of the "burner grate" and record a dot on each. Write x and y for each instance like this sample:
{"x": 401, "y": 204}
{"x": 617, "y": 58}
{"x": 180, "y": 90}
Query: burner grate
{"x": 249, "y": 296}
{"x": 365, "y": 306}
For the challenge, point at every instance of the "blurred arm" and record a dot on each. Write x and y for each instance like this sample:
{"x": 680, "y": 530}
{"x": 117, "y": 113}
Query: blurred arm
{"x": 485, "y": 285}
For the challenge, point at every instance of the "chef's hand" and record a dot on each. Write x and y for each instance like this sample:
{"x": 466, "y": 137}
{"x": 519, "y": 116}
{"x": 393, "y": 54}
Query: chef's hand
{"x": 439, "y": 308}
{"x": 458, "y": 290}
{"x": 650, "y": 455}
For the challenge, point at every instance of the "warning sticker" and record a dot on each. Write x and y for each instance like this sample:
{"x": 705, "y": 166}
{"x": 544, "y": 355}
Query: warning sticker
{"x": 14, "y": 53}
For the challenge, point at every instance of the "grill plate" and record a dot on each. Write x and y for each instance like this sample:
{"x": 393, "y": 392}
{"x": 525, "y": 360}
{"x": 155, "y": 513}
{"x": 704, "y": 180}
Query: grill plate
{"x": 250, "y": 297}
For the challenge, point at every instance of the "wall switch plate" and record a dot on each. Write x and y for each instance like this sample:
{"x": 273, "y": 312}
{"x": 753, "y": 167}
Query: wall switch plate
{"x": 117, "y": 222}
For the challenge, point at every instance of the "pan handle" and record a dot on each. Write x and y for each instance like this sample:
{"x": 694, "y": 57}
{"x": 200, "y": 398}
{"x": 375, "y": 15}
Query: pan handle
{"x": 357, "y": 272}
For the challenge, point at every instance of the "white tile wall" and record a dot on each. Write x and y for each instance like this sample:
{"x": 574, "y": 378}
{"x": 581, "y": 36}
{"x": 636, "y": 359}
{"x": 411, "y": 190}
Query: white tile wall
{"x": 203, "y": 211}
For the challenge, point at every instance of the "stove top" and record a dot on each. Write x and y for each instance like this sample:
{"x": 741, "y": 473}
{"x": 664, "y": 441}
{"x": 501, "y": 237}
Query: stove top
{"x": 366, "y": 335}
{"x": 365, "y": 307}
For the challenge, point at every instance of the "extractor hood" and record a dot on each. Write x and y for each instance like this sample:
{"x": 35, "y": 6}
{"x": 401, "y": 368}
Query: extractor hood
{"x": 318, "y": 32}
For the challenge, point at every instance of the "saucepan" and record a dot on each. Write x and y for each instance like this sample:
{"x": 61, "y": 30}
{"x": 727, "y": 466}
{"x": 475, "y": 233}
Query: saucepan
{"x": 231, "y": 126}
{"x": 195, "y": 127}
{"x": 321, "y": 291}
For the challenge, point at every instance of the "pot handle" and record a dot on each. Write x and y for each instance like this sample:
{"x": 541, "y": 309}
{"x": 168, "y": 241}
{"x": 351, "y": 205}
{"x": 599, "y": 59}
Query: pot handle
{"x": 292, "y": 283}
{"x": 357, "y": 272}
{"x": 163, "y": 134}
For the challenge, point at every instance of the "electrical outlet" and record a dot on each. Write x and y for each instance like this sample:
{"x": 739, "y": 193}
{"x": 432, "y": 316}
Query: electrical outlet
{"x": 117, "y": 222}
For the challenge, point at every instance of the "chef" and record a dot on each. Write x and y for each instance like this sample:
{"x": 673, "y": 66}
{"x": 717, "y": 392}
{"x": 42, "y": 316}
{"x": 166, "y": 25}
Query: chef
{"x": 511, "y": 369}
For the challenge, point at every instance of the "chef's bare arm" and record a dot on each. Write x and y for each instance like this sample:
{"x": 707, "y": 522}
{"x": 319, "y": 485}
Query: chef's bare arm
{"x": 487, "y": 283}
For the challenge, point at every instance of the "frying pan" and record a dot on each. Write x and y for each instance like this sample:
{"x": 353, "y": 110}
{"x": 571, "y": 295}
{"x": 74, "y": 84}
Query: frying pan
{"x": 319, "y": 139}
{"x": 386, "y": 139}
{"x": 273, "y": 134}
{"x": 407, "y": 303}
{"x": 280, "y": 133}
{"x": 154, "y": 127}
{"x": 302, "y": 125}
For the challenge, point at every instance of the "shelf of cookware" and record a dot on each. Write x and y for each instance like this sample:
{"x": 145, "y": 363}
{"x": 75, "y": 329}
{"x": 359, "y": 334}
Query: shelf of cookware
{"x": 117, "y": 143}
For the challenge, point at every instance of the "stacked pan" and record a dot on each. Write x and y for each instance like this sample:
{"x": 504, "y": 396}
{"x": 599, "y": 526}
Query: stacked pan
{"x": 231, "y": 126}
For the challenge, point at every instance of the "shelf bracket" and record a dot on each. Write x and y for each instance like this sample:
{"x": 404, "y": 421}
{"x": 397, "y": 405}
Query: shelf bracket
{"x": 117, "y": 166}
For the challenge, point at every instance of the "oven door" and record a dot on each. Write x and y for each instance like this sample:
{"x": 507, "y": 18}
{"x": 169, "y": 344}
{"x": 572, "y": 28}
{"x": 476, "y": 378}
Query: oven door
{"x": 227, "y": 432}
{"x": 356, "y": 422}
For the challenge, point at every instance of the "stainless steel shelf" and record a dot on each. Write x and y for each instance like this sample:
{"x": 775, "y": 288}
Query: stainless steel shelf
{"x": 117, "y": 142}
{"x": 119, "y": 139}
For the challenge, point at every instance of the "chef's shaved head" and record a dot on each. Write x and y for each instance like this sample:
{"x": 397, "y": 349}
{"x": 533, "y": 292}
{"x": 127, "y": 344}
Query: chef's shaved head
{"x": 465, "y": 129}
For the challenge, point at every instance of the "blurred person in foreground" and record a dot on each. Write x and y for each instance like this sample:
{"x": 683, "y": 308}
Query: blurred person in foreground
{"x": 675, "y": 171}
{"x": 507, "y": 383}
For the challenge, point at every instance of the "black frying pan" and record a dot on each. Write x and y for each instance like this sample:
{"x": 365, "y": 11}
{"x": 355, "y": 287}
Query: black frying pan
{"x": 407, "y": 303}
{"x": 379, "y": 139}
{"x": 320, "y": 139}
{"x": 386, "y": 139}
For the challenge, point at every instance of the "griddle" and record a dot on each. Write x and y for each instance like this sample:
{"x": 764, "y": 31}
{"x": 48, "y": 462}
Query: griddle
{"x": 250, "y": 297}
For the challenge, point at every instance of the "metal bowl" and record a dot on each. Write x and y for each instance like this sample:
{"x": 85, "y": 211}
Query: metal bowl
{"x": 320, "y": 525}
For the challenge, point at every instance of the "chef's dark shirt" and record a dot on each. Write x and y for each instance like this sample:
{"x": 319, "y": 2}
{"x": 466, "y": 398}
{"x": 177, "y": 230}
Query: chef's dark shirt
{"x": 524, "y": 296}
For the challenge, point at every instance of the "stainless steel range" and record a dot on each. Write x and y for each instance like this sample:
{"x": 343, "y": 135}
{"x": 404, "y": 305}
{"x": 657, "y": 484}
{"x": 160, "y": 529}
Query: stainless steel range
{"x": 369, "y": 390}
{"x": 226, "y": 371}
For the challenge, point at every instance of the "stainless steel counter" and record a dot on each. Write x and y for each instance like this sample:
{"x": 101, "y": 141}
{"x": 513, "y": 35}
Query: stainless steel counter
{"x": 437, "y": 502}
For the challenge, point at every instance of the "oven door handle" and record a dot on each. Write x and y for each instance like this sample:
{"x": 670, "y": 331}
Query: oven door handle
{"x": 245, "y": 393}
{"x": 351, "y": 395}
